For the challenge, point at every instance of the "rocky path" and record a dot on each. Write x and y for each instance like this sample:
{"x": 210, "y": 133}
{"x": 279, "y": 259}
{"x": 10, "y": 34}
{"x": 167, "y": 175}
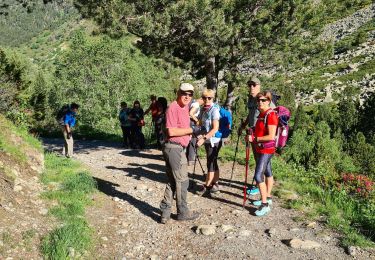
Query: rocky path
{"x": 125, "y": 215}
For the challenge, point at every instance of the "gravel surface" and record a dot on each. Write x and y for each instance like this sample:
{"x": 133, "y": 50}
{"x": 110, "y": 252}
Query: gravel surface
{"x": 125, "y": 215}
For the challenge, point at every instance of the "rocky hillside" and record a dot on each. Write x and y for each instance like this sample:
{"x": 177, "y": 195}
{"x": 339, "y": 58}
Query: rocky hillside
{"x": 23, "y": 218}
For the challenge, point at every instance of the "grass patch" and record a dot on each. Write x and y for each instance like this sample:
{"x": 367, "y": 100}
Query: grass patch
{"x": 350, "y": 215}
{"x": 72, "y": 197}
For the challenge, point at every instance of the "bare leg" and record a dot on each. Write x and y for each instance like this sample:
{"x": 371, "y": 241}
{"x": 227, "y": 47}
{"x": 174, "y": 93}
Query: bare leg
{"x": 263, "y": 191}
{"x": 269, "y": 184}
{"x": 210, "y": 178}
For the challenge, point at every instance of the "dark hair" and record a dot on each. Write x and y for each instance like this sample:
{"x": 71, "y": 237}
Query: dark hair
{"x": 123, "y": 104}
{"x": 266, "y": 94}
{"x": 74, "y": 106}
{"x": 153, "y": 97}
{"x": 137, "y": 102}
{"x": 163, "y": 102}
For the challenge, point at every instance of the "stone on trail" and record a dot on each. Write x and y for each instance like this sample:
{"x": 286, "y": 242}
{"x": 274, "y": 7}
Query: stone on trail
{"x": 206, "y": 230}
{"x": 302, "y": 244}
{"x": 116, "y": 199}
{"x": 311, "y": 225}
{"x": 272, "y": 232}
{"x": 244, "y": 233}
{"x": 227, "y": 228}
{"x": 43, "y": 212}
{"x": 141, "y": 187}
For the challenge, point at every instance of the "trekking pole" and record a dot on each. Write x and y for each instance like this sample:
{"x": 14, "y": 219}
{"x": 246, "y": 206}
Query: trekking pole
{"x": 197, "y": 159}
{"x": 248, "y": 132}
{"x": 235, "y": 155}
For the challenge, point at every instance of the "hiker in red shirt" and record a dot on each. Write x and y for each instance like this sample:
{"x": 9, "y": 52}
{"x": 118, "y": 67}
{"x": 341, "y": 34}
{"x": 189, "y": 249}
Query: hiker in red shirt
{"x": 264, "y": 140}
{"x": 155, "y": 112}
{"x": 178, "y": 137}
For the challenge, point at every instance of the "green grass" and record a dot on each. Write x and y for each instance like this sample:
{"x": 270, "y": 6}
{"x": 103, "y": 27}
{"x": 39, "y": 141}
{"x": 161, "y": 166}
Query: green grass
{"x": 72, "y": 198}
{"x": 352, "y": 216}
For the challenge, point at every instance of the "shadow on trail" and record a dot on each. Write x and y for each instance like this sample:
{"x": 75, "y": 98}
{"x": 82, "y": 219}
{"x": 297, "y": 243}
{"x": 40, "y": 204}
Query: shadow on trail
{"x": 140, "y": 171}
{"x": 152, "y": 166}
{"x": 142, "y": 154}
{"x": 80, "y": 146}
{"x": 146, "y": 209}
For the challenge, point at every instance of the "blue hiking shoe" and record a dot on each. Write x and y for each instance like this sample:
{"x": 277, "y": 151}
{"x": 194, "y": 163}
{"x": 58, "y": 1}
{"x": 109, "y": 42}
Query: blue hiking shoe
{"x": 252, "y": 191}
{"x": 263, "y": 210}
{"x": 259, "y": 202}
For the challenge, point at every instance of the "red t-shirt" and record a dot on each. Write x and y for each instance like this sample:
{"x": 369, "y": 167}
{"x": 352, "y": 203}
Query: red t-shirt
{"x": 178, "y": 117}
{"x": 261, "y": 129}
{"x": 154, "y": 110}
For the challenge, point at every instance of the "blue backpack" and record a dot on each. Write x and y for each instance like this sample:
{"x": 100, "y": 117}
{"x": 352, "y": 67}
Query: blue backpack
{"x": 225, "y": 123}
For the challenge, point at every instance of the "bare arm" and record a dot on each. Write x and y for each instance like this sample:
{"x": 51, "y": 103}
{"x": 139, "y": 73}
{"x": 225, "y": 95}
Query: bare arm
{"x": 215, "y": 128}
{"x": 271, "y": 134}
{"x": 174, "y": 132}
{"x": 192, "y": 114}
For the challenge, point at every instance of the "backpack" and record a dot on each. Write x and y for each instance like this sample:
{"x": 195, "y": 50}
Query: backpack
{"x": 225, "y": 123}
{"x": 282, "y": 130}
{"x": 61, "y": 114}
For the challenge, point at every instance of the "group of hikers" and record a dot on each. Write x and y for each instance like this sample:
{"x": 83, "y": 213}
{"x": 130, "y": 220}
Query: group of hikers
{"x": 187, "y": 124}
{"x": 132, "y": 121}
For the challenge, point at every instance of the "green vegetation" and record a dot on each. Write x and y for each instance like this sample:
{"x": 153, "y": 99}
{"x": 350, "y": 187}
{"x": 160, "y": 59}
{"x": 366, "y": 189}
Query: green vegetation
{"x": 72, "y": 197}
{"x": 345, "y": 212}
{"x": 22, "y": 20}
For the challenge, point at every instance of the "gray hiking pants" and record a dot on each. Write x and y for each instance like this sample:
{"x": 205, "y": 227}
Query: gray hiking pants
{"x": 178, "y": 180}
{"x": 68, "y": 144}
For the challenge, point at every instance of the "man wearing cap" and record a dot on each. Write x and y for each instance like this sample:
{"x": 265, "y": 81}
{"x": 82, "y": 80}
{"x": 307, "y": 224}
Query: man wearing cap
{"x": 178, "y": 136}
{"x": 254, "y": 88}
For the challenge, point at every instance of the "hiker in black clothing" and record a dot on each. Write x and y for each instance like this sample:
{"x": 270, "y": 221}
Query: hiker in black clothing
{"x": 136, "y": 118}
{"x": 162, "y": 105}
{"x": 125, "y": 124}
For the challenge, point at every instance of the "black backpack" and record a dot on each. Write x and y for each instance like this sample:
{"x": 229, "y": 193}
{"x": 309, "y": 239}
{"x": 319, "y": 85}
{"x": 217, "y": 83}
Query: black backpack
{"x": 61, "y": 114}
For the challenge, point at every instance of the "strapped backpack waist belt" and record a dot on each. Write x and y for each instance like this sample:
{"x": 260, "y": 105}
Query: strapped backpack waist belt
{"x": 265, "y": 145}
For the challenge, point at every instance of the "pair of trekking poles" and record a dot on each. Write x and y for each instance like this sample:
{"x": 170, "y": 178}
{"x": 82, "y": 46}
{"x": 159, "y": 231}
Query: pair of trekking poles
{"x": 245, "y": 188}
{"x": 247, "y": 159}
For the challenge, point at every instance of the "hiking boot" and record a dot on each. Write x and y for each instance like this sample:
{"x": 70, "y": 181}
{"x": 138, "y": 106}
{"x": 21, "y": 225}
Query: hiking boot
{"x": 252, "y": 191}
{"x": 165, "y": 216}
{"x": 191, "y": 215}
{"x": 263, "y": 210}
{"x": 215, "y": 187}
{"x": 202, "y": 190}
{"x": 164, "y": 220}
{"x": 259, "y": 202}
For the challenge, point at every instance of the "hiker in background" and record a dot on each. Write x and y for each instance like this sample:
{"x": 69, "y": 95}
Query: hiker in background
{"x": 178, "y": 137}
{"x": 68, "y": 122}
{"x": 263, "y": 139}
{"x": 160, "y": 130}
{"x": 125, "y": 124}
{"x": 153, "y": 108}
{"x": 136, "y": 118}
{"x": 209, "y": 119}
{"x": 253, "y": 113}
{"x": 195, "y": 109}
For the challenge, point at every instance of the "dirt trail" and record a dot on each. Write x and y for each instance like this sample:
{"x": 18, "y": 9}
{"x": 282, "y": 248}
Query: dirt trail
{"x": 126, "y": 212}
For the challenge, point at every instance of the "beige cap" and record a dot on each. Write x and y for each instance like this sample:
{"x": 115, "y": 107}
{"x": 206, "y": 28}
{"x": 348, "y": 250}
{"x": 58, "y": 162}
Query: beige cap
{"x": 254, "y": 80}
{"x": 186, "y": 87}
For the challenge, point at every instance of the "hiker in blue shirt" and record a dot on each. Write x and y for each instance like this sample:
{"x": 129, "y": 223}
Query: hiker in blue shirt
{"x": 69, "y": 121}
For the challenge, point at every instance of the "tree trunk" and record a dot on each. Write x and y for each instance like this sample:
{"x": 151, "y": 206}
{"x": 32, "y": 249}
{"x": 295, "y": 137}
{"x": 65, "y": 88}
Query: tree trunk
{"x": 230, "y": 95}
{"x": 211, "y": 73}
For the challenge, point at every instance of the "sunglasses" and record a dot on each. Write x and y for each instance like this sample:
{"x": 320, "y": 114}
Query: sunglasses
{"x": 262, "y": 100}
{"x": 187, "y": 94}
{"x": 206, "y": 98}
